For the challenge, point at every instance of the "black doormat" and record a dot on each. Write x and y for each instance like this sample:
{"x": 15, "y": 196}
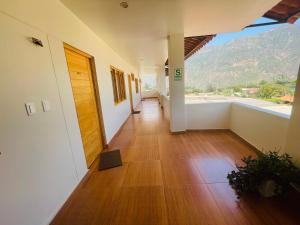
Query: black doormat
{"x": 110, "y": 159}
{"x": 136, "y": 112}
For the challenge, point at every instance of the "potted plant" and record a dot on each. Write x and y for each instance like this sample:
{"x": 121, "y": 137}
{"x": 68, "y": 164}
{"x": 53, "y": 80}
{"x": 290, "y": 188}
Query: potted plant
{"x": 269, "y": 174}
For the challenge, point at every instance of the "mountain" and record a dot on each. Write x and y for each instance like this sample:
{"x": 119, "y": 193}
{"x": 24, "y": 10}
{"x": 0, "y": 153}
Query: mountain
{"x": 270, "y": 55}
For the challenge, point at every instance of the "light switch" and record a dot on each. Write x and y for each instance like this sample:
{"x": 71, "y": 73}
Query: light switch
{"x": 30, "y": 108}
{"x": 46, "y": 105}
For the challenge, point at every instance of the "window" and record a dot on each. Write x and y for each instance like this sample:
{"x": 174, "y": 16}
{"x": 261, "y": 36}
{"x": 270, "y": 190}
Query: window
{"x": 118, "y": 83}
{"x": 149, "y": 83}
{"x": 136, "y": 85}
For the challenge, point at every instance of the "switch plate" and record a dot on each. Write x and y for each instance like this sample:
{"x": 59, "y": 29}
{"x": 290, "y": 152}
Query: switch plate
{"x": 30, "y": 108}
{"x": 46, "y": 105}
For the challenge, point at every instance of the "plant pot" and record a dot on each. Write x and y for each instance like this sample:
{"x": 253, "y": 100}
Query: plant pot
{"x": 268, "y": 189}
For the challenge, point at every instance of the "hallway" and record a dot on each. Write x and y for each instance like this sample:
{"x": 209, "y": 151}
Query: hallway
{"x": 169, "y": 179}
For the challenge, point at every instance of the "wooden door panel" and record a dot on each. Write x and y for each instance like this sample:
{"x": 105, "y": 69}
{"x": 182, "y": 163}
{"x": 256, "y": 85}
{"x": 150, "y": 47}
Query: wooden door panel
{"x": 75, "y": 75}
{"x": 85, "y": 101}
{"x": 82, "y": 84}
{"x": 88, "y": 124}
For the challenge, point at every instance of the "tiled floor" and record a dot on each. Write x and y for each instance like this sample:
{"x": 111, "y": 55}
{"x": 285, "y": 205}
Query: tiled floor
{"x": 170, "y": 179}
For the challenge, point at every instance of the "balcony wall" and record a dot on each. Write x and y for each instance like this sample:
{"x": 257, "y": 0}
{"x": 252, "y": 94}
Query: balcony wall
{"x": 264, "y": 129}
{"x": 208, "y": 115}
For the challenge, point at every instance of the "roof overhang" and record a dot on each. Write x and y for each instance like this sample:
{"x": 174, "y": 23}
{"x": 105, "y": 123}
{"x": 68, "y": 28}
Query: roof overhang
{"x": 192, "y": 45}
{"x": 286, "y": 11}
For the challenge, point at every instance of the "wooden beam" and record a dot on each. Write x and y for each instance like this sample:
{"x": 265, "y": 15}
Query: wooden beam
{"x": 292, "y": 3}
{"x": 201, "y": 43}
{"x": 293, "y": 18}
{"x": 282, "y": 9}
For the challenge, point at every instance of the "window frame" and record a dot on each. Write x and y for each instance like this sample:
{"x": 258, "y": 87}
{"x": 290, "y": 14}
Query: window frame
{"x": 118, "y": 85}
{"x": 136, "y": 81}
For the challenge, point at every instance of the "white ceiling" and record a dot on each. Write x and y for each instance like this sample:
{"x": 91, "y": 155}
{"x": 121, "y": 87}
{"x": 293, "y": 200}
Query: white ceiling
{"x": 139, "y": 33}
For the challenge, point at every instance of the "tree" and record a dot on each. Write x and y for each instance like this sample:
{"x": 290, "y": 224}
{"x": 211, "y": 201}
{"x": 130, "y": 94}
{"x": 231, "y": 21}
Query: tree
{"x": 237, "y": 88}
{"x": 270, "y": 90}
{"x": 210, "y": 88}
{"x": 263, "y": 82}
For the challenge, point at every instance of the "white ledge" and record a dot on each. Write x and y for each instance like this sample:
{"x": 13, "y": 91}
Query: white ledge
{"x": 257, "y": 108}
{"x": 268, "y": 111}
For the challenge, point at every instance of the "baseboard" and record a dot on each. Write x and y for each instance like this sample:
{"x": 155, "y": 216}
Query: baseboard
{"x": 201, "y": 130}
{"x": 178, "y": 132}
{"x": 244, "y": 141}
{"x": 144, "y": 98}
{"x": 118, "y": 132}
{"x": 108, "y": 145}
{"x": 209, "y": 130}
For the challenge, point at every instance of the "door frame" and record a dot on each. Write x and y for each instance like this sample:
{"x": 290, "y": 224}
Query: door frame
{"x": 140, "y": 84}
{"x": 130, "y": 93}
{"x": 96, "y": 88}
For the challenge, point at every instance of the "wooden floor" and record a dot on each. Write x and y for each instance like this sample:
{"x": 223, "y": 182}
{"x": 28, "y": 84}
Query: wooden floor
{"x": 170, "y": 179}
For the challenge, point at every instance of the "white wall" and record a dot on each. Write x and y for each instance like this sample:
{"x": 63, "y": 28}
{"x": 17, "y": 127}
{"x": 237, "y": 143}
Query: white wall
{"x": 37, "y": 168}
{"x": 293, "y": 133}
{"x": 210, "y": 115}
{"x": 136, "y": 97}
{"x": 264, "y": 130}
{"x": 161, "y": 81}
{"x": 42, "y": 156}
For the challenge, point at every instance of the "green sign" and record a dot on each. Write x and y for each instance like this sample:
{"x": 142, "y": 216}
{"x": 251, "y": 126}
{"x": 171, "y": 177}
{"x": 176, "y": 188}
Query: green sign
{"x": 178, "y": 74}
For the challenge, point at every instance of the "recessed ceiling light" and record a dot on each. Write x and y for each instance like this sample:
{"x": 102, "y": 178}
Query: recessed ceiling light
{"x": 124, "y": 5}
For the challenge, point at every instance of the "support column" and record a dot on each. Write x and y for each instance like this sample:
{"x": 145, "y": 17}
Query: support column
{"x": 161, "y": 81}
{"x": 176, "y": 82}
{"x": 292, "y": 146}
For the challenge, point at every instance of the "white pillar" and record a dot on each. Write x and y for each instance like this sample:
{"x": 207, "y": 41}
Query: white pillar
{"x": 161, "y": 80}
{"x": 292, "y": 146}
{"x": 176, "y": 82}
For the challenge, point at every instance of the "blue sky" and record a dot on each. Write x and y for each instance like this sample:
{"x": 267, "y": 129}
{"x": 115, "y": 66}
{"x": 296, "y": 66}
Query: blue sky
{"x": 221, "y": 39}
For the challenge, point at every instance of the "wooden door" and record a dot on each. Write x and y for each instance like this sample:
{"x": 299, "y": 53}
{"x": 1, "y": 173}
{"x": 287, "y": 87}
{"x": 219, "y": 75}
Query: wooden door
{"x": 130, "y": 93}
{"x": 84, "y": 93}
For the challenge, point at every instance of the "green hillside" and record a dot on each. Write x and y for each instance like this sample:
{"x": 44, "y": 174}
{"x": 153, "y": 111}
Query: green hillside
{"x": 270, "y": 56}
